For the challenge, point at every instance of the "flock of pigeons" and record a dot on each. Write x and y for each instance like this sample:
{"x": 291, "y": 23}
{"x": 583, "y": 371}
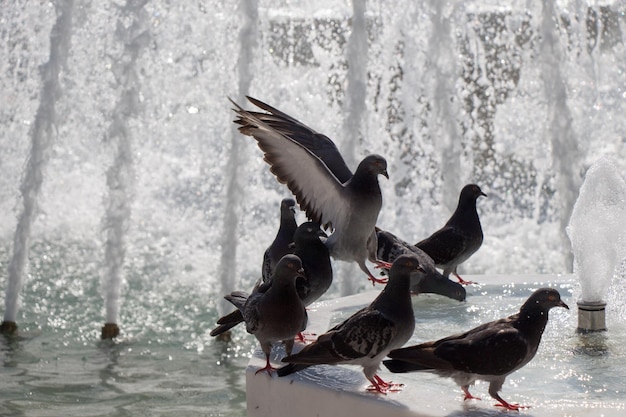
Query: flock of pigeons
{"x": 297, "y": 271}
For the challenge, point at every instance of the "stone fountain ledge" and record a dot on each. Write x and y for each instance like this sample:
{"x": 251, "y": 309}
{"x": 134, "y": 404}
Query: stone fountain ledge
{"x": 340, "y": 390}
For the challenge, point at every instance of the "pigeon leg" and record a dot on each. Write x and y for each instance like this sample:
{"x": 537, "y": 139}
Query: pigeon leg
{"x": 377, "y": 280}
{"x": 509, "y": 406}
{"x": 372, "y": 277}
{"x": 268, "y": 367}
{"x": 461, "y": 280}
{"x": 390, "y": 385}
{"x": 383, "y": 264}
{"x": 302, "y": 337}
{"x": 380, "y": 386}
{"x": 468, "y": 396}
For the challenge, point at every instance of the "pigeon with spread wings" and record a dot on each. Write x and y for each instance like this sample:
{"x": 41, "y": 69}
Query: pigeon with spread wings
{"x": 350, "y": 206}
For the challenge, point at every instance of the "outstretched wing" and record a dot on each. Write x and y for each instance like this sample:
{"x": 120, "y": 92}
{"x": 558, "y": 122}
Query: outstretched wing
{"x": 318, "y": 191}
{"x": 320, "y": 145}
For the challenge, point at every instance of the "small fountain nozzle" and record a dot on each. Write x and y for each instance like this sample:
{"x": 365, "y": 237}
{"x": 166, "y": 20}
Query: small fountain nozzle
{"x": 8, "y": 328}
{"x": 591, "y": 316}
{"x": 109, "y": 331}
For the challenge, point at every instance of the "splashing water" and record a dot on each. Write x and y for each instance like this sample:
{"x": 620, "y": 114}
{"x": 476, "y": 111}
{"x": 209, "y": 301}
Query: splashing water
{"x": 597, "y": 229}
{"x": 41, "y": 136}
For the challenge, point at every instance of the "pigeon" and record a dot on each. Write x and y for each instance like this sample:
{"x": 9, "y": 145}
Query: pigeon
{"x": 430, "y": 280}
{"x": 318, "y": 271}
{"x": 317, "y": 278}
{"x": 368, "y": 335}
{"x": 282, "y": 244}
{"x": 274, "y": 312}
{"x": 489, "y": 352}
{"x": 349, "y": 206}
{"x": 459, "y": 238}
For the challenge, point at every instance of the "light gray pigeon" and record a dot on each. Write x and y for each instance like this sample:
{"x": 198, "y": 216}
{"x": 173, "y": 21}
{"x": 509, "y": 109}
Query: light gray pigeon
{"x": 367, "y": 336}
{"x": 430, "y": 280}
{"x": 274, "y": 312}
{"x": 489, "y": 352}
{"x": 351, "y": 208}
{"x": 460, "y": 237}
{"x": 283, "y": 242}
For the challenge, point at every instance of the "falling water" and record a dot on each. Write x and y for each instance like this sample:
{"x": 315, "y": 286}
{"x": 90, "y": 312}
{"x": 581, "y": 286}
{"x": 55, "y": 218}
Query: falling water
{"x": 442, "y": 69}
{"x": 42, "y": 134}
{"x": 236, "y": 155}
{"x": 131, "y": 32}
{"x": 467, "y": 84}
{"x": 356, "y": 93}
{"x": 566, "y": 157}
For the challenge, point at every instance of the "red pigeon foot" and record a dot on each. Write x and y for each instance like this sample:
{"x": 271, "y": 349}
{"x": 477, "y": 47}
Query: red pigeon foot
{"x": 462, "y": 281}
{"x": 268, "y": 368}
{"x": 306, "y": 337}
{"x": 509, "y": 406}
{"x": 468, "y": 396}
{"x": 377, "y": 280}
{"x": 383, "y": 387}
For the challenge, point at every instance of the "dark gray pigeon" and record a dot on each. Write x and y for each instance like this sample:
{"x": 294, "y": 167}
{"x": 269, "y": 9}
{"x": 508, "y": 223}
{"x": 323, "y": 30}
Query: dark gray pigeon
{"x": 317, "y": 278}
{"x": 367, "y": 336}
{"x": 283, "y": 242}
{"x": 460, "y": 237}
{"x": 489, "y": 352}
{"x": 318, "y": 271}
{"x": 430, "y": 280}
{"x": 350, "y": 207}
{"x": 274, "y": 312}
{"x": 281, "y": 246}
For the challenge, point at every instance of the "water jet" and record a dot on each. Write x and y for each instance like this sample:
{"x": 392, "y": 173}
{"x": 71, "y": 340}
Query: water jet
{"x": 597, "y": 231}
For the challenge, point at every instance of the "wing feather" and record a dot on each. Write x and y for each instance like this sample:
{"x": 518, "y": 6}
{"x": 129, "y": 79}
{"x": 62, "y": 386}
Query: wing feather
{"x": 318, "y": 192}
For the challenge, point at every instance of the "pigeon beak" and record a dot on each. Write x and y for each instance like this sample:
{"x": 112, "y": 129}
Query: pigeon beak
{"x": 483, "y": 194}
{"x": 562, "y": 304}
{"x": 385, "y": 173}
{"x": 292, "y": 245}
{"x": 301, "y": 272}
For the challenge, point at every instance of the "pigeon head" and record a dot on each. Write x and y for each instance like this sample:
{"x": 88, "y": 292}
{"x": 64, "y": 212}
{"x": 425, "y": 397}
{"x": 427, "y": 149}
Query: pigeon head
{"x": 471, "y": 192}
{"x": 289, "y": 266}
{"x": 288, "y": 207}
{"x": 374, "y": 164}
{"x": 543, "y": 300}
{"x": 435, "y": 283}
{"x": 405, "y": 264}
{"x": 308, "y": 232}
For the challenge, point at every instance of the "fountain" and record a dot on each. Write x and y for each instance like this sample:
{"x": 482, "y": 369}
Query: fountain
{"x": 597, "y": 230}
{"x": 127, "y": 197}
